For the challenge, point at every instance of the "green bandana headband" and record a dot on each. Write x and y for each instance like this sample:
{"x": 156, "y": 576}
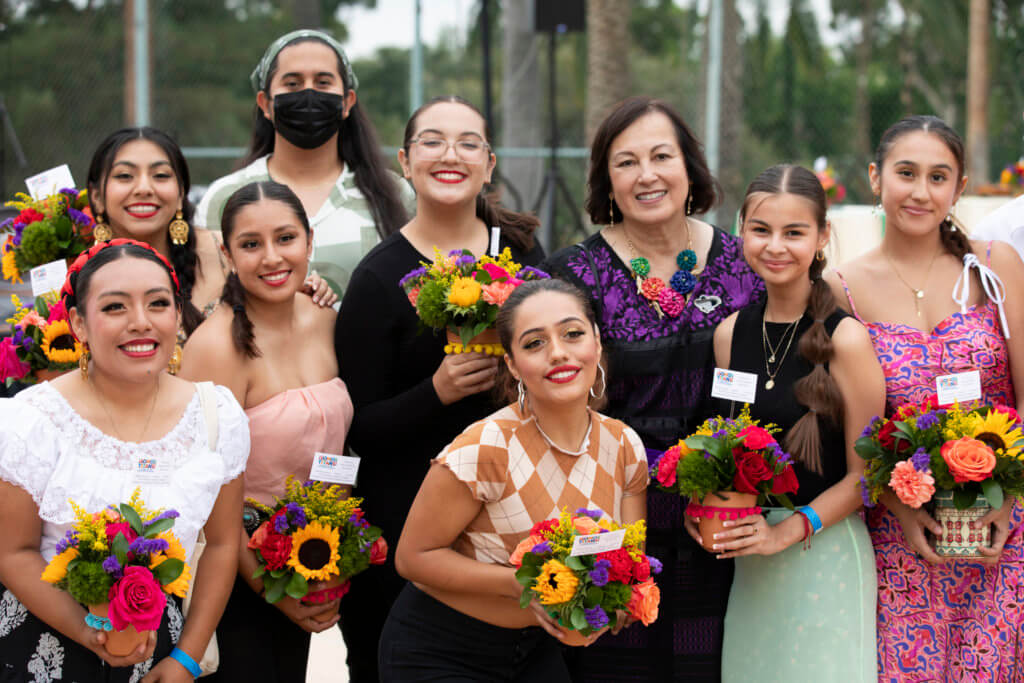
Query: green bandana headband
{"x": 258, "y": 79}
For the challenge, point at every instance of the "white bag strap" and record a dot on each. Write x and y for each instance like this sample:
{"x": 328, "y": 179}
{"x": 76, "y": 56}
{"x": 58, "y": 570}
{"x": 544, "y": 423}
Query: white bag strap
{"x": 208, "y": 401}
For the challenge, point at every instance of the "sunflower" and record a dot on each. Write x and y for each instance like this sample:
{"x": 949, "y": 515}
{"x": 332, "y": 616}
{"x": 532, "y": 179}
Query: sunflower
{"x": 175, "y": 551}
{"x": 998, "y": 431}
{"x": 59, "y": 345}
{"x": 10, "y": 268}
{"x": 58, "y": 567}
{"x": 556, "y": 583}
{"x": 315, "y": 552}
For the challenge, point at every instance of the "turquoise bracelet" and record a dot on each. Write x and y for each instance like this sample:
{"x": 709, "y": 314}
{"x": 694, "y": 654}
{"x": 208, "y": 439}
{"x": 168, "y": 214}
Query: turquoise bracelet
{"x": 182, "y": 658}
{"x": 811, "y": 516}
{"x": 98, "y": 623}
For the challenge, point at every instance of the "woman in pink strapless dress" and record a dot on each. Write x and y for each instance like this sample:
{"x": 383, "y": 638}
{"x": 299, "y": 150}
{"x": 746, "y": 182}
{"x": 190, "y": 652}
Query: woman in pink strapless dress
{"x": 281, "y": 366}
{"x": 933, "y": 304}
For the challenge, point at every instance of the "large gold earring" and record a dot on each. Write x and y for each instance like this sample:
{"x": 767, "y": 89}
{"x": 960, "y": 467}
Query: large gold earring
{"x": 689, "y": 204}
{"x": 178, "y": 229}
{"x": 101, "y": 232}
{"x": 83, "y": 364}
{"x": 820, "y": 256}
{"x": 174, "y": 365}
{"x": 611, "y": 209}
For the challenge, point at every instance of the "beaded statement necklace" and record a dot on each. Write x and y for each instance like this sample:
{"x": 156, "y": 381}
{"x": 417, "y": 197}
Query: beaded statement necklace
{"x": 667, "y": 299}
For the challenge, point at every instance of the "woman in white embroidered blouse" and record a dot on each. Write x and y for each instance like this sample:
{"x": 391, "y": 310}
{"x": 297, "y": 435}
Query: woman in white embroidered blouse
{"x": 80, "y": 437}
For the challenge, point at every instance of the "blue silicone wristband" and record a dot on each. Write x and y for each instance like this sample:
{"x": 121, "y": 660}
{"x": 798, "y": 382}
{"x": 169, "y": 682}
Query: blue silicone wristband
{"x": 812, "y": 517}
{"x": 182, "y": 658}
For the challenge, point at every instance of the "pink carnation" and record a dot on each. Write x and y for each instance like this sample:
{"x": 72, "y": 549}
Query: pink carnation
{"x": 1008, "y": 412}
{"x": 496, "y": 272}
{"x": 57, "y": 312}
{"x": 671, "y": 302}
{"x": 912, "y": 487}
{"x": 31, "y": 318}
{"x": 10, "y": 365}
{"x": 497, "y": 292}
{"x": 666, "y": 475}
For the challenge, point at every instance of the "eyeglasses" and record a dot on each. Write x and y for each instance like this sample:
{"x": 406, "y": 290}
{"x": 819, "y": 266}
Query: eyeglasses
{"x": 469, "y": 150}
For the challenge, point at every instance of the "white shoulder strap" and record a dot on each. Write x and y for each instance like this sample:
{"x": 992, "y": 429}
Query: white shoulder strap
{"x": 208, "y": 401}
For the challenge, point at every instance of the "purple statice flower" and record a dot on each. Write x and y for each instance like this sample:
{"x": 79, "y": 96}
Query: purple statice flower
{"x": 594, "y": 514}
{"x": 531, "y": 273}
{"x": 920, "y": 460}
{"x": 411, "y": 275}
{"x": 781, "y": 456}
{"x": 720, "y": 434}
{"x": 464, "y": 261}
{"x": 655, "y": 563}
{"x": 298, "y": 515}
{"x": 6, "y": 224}
{"x": 18, "y": 229}
{"x": 599, "y": 574}
{"x": 541, "y": 548}
{"x": 871, "y": 427}
{"x": 70, "y": 192}
{"x": 148, "y": 546}
{"x": 865, "y": 495}
{"x": 455, "y": 253}
{"x": 281, "y": 524}
{"x": 167, "y": 514}
{"x": 927, "y": 420}
{"x": 78, "y": 217}
{"x": 308, "y": 483}
{"x": 597, "y": 619}
{"x": 69, "y": 540}
{"x": 112, "y": 567}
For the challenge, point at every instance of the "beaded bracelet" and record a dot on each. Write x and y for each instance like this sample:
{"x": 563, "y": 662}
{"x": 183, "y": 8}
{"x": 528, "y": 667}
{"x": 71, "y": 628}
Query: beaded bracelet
{"x": 97, "y": 622}
{"x": 186, "y": 661}
{"x": 808, "y": 529}
{"x": 811, "y": 516}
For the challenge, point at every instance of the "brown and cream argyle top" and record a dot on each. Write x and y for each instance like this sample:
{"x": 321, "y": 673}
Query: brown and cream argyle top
{"x": 522, "y": 479}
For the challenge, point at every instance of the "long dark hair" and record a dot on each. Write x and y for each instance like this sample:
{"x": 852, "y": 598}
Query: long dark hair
{"x": 234, "y": 293}
{"x": 505, "y": 386}
{"x": 954, "y": 240}
{"x": 358, "y": 148}
{"x": 704, "y": 188}
{"x": 184, "y": 258}
{"x": 817, "y": 390}
{"x": 517, "y": 227}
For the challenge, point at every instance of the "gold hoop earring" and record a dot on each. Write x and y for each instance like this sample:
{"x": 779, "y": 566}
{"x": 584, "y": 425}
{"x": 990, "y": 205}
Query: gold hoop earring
{"x": 604, "y": 384}
{"x": 178, "y": 229}
{"x": 101, "y": 232}
{"x": 174, "y": 365}
{"x": 820, "y": 256}
{"x": 522, "y": 398}
{"x": 83, "y": 364}
{"x": 611, "y": 209}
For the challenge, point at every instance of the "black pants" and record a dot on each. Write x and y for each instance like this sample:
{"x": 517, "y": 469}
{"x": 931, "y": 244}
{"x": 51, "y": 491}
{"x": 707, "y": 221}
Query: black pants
{"x": 426, "y": 640}
{"x": 258, "y": 642}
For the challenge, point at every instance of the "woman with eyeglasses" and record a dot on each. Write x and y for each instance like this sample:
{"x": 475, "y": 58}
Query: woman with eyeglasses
{"x": 410, "y": 398}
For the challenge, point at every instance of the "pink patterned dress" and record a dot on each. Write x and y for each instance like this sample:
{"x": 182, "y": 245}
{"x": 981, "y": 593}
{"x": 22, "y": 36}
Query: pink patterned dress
{"x": 961, "y": 621}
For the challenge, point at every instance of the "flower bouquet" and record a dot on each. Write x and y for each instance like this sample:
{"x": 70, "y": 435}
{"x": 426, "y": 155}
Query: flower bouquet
{"x": 121, "y": 562}
{"x": 1012, "y": 177}
{"x": 462, "y": 294}
{"x": 731, "y": 466}
{"x": 312, "y": 534}
{"x": 45, "y": 230}
{"x": 41, "y": 345}
{"x": 584, "y": 591}
{"x": 961, "y": 462}
{"x": 835, "y": 192}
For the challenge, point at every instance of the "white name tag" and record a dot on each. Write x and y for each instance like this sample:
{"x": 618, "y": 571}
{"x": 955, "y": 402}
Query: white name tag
{"x": 48, "y": 277}
{"x": 960, "y": 387}
{"x": 49, "y": 182}
{"x": 733, "y": 385}
{"x": 597, "y": 543}
{"x": 335, "y": 469}
{"x": 151, "y": 472}
{"x": 495, "y": 242}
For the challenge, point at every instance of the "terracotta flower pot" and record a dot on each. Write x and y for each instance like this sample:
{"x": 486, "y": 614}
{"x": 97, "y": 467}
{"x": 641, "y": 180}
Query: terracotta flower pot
{"x": 577, "y": 639}
{"x": 327, "y": 591}
{"x": 485, "y": 342}
{"x": 718, "y": 507}
{"x": 962, "y": 535}
{"x": 120, "y": 643}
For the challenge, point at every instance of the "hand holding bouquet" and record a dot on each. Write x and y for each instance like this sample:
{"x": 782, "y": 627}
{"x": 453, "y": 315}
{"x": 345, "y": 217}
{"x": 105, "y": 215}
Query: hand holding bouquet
{"x": 121, "y": 562}
{"x": 584, "y": 592}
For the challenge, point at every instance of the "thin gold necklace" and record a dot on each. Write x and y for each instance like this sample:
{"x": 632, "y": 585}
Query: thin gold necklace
{"x": 918, "y": 293}
{"x": 791, "y": 331}
{"x": 113, "y": 424}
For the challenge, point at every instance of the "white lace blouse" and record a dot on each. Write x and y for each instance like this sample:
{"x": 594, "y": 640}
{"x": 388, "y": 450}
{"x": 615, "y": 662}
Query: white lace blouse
{"x": 54, "y": 454}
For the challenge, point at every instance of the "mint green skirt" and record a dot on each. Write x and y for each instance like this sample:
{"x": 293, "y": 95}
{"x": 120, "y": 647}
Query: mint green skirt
{"x": 805, "y": 616}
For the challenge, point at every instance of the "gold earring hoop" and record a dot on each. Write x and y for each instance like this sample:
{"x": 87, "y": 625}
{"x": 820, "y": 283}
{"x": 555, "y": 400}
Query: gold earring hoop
{"x": 83, "y": 364}
{"x": 820, "y": 256}
{"x": 178, "y": 229}
{"x": 174, "y": 364}
{"x": 101, "y": 232}
{"x": 522, "y": 398}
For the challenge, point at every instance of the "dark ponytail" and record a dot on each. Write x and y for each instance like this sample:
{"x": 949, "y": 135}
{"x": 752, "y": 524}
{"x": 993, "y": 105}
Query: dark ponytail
{"x": 517, "y": 227}
{"x": 817, "y": 390}
{"x": 234, "y": 293}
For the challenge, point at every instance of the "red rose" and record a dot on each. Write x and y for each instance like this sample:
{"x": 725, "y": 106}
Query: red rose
{"x": 889, "y": 442}
{"x": 621, "y": 568}
{"x": 379, "y": 551}
{"x": 120, "y": 527}
{"x": 541, "y": 527}
{"x": 755, "y": 438}
{"x": 751, "y": 470}
{"x": 642, "y": 569}
{"x": 785, "y": 482}
{"x": 275, "y": 550}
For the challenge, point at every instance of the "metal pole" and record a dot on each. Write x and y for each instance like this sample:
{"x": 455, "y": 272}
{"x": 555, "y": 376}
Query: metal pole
{"x": 140, "y": 37}
{"x": 713, "y": 98}
{"x": 485, "y": 44}
{"x": 416, "y": 63}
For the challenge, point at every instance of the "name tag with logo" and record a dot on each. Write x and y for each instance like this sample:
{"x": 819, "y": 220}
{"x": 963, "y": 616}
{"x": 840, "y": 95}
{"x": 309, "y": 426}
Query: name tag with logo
{"x": 151, "y": 471}
{"x": 48, "y": 277}
{"x": 733, "y": 385}
{"x": 960, "y": 387}
{"x": 334, "y": 469}
{"x": 597, "y": 543}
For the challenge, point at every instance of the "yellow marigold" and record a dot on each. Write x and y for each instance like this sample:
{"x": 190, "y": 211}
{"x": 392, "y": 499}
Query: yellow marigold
{"x": 556, "y": 583}
{"x": 57, "y": 569}
{"x": 175, "y": 551}
{"x": 10, "y": 268}
{"x": 59, "y": 345}
{"x": 465, "y": 292}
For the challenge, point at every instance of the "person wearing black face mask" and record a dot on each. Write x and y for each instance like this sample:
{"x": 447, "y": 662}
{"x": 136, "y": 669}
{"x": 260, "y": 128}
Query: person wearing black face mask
{"x": 310, "y": 134}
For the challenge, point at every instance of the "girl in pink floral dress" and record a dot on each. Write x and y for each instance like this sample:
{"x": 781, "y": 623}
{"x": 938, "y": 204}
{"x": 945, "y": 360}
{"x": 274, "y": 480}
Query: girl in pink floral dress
{"x": 933, "y": 303}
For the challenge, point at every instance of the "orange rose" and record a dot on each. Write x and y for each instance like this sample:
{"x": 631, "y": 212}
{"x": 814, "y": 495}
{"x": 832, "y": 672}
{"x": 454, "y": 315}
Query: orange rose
{"x": 525, "y": 546}
{"x": 968, "y": 459}
{"x": 643, "y": 603}
{"x": 585, "y": 525}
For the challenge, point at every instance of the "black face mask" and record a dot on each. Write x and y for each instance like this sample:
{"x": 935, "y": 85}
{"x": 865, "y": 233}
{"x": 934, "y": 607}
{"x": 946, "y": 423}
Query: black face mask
{"x": 308, "y": 118}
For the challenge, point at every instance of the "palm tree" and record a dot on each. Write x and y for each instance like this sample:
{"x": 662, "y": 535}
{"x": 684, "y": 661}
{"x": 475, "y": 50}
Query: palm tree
{"x": 607, "y": 58}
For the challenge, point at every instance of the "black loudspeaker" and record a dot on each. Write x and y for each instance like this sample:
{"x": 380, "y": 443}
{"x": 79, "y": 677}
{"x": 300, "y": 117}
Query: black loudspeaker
{"x": 559, "y": 16}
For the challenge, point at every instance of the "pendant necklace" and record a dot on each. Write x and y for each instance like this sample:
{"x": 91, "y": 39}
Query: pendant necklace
{"x": 918, "y": 293}
{"x": 766, "y": 345}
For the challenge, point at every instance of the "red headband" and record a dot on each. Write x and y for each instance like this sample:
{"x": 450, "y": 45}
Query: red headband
{"x": 67, "y": 290}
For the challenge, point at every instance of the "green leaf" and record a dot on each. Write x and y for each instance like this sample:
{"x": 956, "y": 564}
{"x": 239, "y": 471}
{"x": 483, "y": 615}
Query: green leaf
{"x": 274, "y": 588}
{"x": 964, "y": 498}
{"x": 132, "y": 517}
{"x": 578, "y": 619}
{"x": 594, "y": 597}
{"x": 278, "y": 573}
{"x": 575, "y": 564}
{"x": 260, "y": 571}
{"x": 120, "y": 548}
{"x": 168, "y": 570}
{"x": 526, "y": 597}
{"x": 993, "y": 493}
{"x": 42, "y": 308}
{"x": 784, "y": 499}
{"x": 297, "y": 586}
{"x": 157, "y": 527}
